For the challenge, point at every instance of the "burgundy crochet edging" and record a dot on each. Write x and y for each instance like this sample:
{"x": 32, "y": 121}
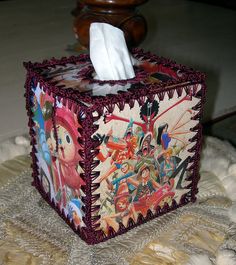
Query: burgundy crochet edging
{"x": 89, "y": 152}
{"x": 194, "y": 177}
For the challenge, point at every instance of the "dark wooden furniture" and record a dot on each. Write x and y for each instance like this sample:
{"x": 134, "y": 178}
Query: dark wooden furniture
{"x": 225, "y": 3}
{"x": 119, "y": 13}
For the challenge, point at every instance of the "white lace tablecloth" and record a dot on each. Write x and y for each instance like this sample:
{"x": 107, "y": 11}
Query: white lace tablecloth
{"x": 201, "y": 233}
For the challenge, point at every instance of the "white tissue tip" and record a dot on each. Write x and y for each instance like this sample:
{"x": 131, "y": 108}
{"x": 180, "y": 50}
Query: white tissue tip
{"x": 109, "y": 53}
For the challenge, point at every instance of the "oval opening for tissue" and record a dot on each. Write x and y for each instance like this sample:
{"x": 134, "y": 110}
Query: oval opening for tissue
{"x": 88, "y": 74}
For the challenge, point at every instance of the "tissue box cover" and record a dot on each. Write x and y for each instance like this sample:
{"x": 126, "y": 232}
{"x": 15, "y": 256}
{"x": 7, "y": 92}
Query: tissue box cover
{"x": 111, "y": 155}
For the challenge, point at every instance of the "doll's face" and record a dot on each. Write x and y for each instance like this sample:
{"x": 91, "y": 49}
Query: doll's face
{"x": 66, "y": 145}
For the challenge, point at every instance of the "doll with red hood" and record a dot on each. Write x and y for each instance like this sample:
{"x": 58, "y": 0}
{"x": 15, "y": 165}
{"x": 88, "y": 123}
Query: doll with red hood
{"x": 64, "y": 149}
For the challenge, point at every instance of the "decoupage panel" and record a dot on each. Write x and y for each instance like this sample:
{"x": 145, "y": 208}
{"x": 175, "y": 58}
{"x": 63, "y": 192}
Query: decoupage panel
{"x": 56, "y": 133}
{"x": 144, "y": 156}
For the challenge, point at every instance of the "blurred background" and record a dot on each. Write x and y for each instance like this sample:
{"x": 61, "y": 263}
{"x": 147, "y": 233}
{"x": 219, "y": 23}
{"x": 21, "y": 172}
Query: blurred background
{"x": 199, "y": 34}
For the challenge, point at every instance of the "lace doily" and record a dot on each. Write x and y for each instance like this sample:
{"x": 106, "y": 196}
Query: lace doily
{"x": 32, "y": 233}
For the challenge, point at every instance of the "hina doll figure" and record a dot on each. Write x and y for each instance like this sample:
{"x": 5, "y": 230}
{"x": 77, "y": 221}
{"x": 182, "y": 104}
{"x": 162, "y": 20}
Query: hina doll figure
{"x": 118, "y": 149}
{"x": 167, "y": 167}
{"x": 64, "y": 149}
{"x": 165, "y": 135}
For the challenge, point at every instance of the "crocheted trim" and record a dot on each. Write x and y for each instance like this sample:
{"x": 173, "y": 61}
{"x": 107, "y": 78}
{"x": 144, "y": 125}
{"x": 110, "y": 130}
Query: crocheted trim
{"x": 137, "y": 92}
{"x": 182, "y": 74}
{"x": 31, "y": 81}
{"x": 193, "y": 161}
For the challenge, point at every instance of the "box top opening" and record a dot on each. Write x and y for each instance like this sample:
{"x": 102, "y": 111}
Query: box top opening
{"x": 77, "y": 74}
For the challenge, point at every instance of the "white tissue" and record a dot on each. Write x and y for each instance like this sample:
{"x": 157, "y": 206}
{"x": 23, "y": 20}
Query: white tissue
{"x": 109, "y": 54}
